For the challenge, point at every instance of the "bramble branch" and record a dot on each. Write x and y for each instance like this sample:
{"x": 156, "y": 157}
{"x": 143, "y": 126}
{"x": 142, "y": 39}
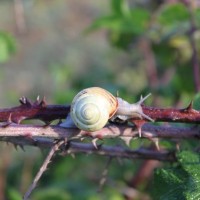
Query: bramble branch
{"x": 88, "y": 148}
{"x": 47, "y": 113}
{"x": 43, "y": 136}
{"x": 111, "y": 131}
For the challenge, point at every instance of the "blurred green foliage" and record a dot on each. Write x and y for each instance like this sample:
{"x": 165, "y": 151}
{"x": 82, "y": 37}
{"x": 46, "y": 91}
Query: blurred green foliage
{"x": 7, "y": 46}
{"x": 47, "y": 62}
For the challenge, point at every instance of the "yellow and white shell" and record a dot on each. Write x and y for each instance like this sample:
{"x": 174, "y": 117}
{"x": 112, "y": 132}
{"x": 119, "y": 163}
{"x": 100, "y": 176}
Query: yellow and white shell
{"x": 92, "y": 107}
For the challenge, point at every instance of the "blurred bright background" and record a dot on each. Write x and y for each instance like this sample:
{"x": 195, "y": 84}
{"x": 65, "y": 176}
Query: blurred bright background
{"x": 56, "y": 48}
{"x": 53, "y": 55}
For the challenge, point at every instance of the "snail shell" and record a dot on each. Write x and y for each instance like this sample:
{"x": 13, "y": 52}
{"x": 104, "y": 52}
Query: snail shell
{"x": 92, "y": 107}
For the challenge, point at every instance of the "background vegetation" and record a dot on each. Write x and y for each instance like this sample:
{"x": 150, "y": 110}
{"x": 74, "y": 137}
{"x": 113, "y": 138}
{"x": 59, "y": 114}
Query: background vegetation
{"x": 56, "y": 48}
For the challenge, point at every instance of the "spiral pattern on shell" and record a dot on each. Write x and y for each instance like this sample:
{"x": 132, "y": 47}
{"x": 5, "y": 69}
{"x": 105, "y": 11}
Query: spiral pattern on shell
{"x": 92, "y": 107}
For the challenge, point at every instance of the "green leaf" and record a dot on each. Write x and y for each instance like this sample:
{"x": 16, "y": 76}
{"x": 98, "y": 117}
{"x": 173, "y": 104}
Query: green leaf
{"x": 51, "y": 194}
{"x": 196, "y": 103}
{"x": 135, "y": 23}
{"x": 12, "y": 194}
{"x": 183, "y": 72}
{"x": 197, "y": 17}
{"x": 7, "y": 46}
{"x": 120, "y": 7}
{"x": 173, "y": 13}
{"x": 179, "y": 182}
{"x": 113, "y": 22}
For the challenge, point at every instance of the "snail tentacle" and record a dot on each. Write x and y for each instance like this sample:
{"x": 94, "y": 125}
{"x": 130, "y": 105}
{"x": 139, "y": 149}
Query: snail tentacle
{"x": 127, "y": 111}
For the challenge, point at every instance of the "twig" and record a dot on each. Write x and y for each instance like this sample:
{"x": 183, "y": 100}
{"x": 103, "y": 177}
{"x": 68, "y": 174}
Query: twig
{"x": 88, "y": 148}
{"x": 104, "y": 174}
{"x": 43, "y": 168}
{"x": 19, "y": 16}
{"x": 194, "y": 59}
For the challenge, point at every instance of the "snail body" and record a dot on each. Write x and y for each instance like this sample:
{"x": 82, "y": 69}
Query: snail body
{"x": 91, "y": 109}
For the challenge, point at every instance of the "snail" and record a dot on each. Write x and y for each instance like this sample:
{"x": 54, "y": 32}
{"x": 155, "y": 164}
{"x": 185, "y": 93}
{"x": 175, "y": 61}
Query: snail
{"x": 91, "y": 109}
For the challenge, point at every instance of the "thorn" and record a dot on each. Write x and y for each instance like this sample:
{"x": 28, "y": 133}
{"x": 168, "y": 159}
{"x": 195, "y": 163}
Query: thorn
{"x": 189, "y": 107}
{"x": 25, "y": 101}
{"x": 9, "y": 121}
{"x": 127, "y": 140}
{"x": 22, "y": 100}
{"x": 29, "y": 136}
{"x": 139, "y": 124}
{"x": 38, "y": 98}
{"x": 15, "y": 145}
{"x": 43, "y": 102}
{"x": 82, "y": 138}
{"x": 9, "y": 118}
{"x": 18, "y": 120}
{"x": 140, "y": 131}
{"x": 22, "y": 147}
{"x": 37, "y": 101}
{"x": 94, "y": 142}
{"x": 156, "y": 143}
{"x": 177, "y": 143}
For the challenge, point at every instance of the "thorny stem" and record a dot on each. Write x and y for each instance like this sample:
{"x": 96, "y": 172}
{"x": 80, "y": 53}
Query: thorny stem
{"x": 52, "y": 151}
{"x": 32, "y": 132}
{"x": 104, "y": 150}
{"x": 48, "y": 113}
{"x": 33, "y": 110}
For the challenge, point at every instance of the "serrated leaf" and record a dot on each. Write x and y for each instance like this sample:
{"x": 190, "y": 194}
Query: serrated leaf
{"x": 179, "y": 182}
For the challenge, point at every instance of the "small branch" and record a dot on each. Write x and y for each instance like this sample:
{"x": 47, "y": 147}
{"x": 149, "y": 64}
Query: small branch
{"x": 110, "y": 151}
{"x": 123, "y": 152}
{"x": 19, "y": 16}
{"x": 43, "y": 168}
{"x": 194, "y": 59}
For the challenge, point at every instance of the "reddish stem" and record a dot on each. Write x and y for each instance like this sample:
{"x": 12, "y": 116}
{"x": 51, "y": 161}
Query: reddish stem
{"x": 48, "y": 113}
{"x": 186, "y": 115}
